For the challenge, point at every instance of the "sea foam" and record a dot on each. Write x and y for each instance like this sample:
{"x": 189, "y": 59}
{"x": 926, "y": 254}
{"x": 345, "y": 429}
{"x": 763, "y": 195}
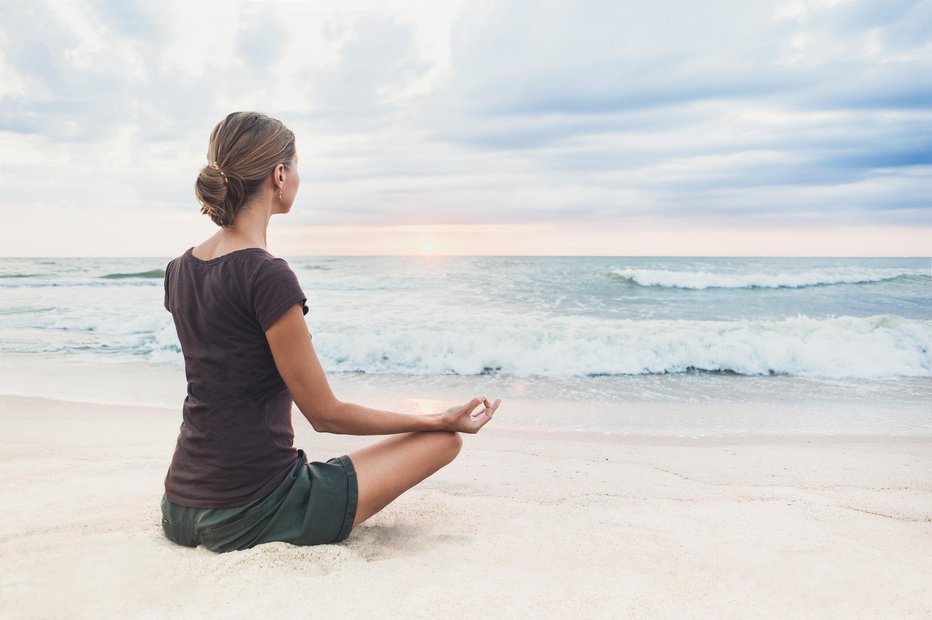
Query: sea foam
{"x": 706, "y": 279}
{"x": 879, "y": 346}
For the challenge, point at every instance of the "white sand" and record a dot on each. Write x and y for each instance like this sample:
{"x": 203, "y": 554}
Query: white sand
{"x": 522, "y": 525}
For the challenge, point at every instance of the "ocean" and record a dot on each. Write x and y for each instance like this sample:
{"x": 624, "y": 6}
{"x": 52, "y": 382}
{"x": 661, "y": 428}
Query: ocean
{"x": 573, "y": 328}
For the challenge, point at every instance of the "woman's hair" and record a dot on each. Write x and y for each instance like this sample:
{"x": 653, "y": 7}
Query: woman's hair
{"x": 244, "y": 148}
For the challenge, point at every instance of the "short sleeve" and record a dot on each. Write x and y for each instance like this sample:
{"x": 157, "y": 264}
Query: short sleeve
{"x": 275, "y": 290}
{"x": 168, "y": 272}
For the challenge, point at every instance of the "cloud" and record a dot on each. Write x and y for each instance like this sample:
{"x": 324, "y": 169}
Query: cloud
{"x": 683, "y": 103}
{"x": 723, "y": 113}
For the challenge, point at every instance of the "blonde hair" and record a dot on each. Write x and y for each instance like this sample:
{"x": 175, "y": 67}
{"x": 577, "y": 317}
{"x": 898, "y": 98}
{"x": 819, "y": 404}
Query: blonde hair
{"x": 244, "y": 148}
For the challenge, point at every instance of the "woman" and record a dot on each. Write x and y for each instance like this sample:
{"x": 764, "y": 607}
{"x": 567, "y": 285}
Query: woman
{"x": 236, "y": 480}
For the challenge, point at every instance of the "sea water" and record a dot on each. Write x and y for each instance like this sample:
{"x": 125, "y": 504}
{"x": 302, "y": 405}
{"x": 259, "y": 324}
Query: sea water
{"x": 575, "y": 328}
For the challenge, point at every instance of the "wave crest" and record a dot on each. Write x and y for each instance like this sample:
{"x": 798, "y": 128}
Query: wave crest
{"x": 152, "y": 273}
{"x": 879, "y": 346}
{"x": 698, "y": 280}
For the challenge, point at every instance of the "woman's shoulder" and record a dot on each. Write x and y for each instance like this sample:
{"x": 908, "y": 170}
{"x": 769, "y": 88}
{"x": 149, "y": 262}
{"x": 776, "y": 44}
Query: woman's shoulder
{"x": 267, "y": 266}
{"x": 238, "y": 268}
{"x": 246, "y": 266}
{"x": 212, "y": 256}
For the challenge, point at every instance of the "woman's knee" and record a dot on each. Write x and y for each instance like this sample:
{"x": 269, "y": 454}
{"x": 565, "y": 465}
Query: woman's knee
{"x": 449, "y": 443}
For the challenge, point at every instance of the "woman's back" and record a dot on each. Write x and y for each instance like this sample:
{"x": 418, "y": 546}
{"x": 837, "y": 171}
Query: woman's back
{"x": 236, "y": 440}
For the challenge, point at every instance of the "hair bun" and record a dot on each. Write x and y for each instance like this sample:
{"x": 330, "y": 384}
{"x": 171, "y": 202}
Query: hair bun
{"x": 219, "y": 194}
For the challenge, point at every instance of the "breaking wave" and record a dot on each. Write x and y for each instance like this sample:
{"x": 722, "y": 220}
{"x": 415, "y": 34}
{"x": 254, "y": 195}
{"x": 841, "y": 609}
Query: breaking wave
{"x": 704, "y": 279}
{"x": 878, "y": 346}
{"x": 152, "y": 273}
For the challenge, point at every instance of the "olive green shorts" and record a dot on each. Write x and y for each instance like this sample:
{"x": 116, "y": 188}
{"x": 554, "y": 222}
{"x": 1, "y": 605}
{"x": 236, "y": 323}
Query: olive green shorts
{"x": 314, "y": 504}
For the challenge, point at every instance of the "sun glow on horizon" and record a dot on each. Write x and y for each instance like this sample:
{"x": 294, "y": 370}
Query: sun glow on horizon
{"x": 174, "y": 232}
{"x": 583, "y": 239}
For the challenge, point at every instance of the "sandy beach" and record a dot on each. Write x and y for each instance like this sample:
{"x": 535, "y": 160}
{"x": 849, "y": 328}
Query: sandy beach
{"x": 524, "y": 524}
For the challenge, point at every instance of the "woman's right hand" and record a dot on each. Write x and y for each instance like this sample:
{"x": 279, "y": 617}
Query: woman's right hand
{"x": 469, "y": 418}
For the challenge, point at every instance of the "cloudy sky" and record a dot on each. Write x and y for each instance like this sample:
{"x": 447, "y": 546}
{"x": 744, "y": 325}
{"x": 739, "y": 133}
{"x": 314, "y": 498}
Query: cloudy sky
{"x": 798, "y": 127}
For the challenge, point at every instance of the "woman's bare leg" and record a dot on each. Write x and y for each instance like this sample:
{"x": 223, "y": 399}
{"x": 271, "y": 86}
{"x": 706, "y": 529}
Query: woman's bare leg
{"x": 390, "y": 467}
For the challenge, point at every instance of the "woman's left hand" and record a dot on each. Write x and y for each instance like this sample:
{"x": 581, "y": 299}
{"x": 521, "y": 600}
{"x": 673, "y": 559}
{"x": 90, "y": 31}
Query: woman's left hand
{"x": 469, "y": 418}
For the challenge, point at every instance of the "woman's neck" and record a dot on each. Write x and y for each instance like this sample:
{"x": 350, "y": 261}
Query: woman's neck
{"x": 248, "y": 231}
{"x": 250, "y": 228}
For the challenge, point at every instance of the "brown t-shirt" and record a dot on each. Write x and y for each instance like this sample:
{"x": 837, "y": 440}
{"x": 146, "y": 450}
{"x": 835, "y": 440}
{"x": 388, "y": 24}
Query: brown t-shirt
{"x": 236, "y": 439}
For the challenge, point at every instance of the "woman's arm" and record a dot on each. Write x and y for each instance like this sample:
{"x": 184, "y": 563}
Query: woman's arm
{"x": 299, "y": 366}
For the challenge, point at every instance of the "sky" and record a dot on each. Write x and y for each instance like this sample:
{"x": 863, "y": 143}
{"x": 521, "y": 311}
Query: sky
{"x": 576, "y": 127}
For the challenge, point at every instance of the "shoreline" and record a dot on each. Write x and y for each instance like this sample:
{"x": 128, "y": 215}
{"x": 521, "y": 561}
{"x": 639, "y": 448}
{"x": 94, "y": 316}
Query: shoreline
{"x": 679, "y": 406}
{"x": 551, "y": 524}
{"x": 67, "y": 408}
